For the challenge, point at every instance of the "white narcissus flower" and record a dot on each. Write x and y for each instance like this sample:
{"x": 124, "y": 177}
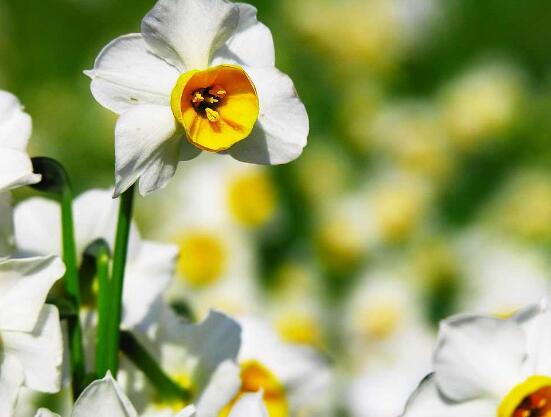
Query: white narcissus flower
{"x": 295, "y": 380}
{"x": 30, "y": 333}
{"x": 105, "y": 398}
{"x": 200, "y": 76}
{"x": 150, "y": 265}
{"x": 199, "y": 357}
{"x": 487, "y": 367}
{"x": 15, "y": 130}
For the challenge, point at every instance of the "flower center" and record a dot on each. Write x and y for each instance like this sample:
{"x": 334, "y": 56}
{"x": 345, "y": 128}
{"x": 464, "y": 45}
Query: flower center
{"x": 299, "y": 328}
{"x": 218, "y": 107}
{"x": 381, "y": 319}
{"x": 251, "y": 198}
{"x": 255, "y": 377}
{"x": 202, "y": 258}
{"x": 532, "y": 398}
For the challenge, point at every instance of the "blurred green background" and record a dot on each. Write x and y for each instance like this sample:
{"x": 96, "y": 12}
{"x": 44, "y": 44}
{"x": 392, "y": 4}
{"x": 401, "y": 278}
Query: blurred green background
{"x": 430, "y": 124}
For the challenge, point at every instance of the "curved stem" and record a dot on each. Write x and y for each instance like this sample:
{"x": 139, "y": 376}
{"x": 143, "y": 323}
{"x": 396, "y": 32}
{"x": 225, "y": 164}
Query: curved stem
{"x": 55, "y": 180}
{"x": 117, "y": 282}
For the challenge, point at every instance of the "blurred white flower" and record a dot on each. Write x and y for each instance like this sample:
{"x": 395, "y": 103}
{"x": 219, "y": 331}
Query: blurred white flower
{"x": 150, "y": 265}
{"x": 199, "y": 76}
{"x": 295, "y": 380}
{"x": 31, "y": 347}
{"x": 216, "y": 266}
{"x": 486, "y": 366}
{"x": 500, "y": 276}
{"x": 199, "y": 357}
{"x": 15, "y": 131}
{"x": 482, "y": 104}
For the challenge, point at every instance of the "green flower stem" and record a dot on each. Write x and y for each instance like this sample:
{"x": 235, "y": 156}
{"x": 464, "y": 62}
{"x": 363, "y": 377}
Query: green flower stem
{"x": 166, "y": 388}
{"x": 103, "y": 305}
{"x": 55, "y": 180}
{"x": 117, "y": 282}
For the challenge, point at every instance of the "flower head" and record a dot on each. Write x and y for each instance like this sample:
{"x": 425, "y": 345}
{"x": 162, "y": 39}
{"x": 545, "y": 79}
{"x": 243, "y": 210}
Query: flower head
{"x": 486, "y": 366}
{"x": 199, "y": 76}
{"x": 15, "y": 130}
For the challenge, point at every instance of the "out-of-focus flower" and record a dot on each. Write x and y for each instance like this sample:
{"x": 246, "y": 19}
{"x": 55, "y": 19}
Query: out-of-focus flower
{"x": 32, "y": 348}
{"x": 379, "y": 34}
{"x": 389, "y": 342}
{"x": 486, "y": 366}
{"x": 150, "y": 265}
{"x": 482, "y": 105}
{"x": 343, "y": 233}
{"x": 398, "y": 207}
{"x": 411, "y": 136}
{"x": 15, "y": 131}
{"x": 198, "y": 77}
{"x": 295, "y": 305}
{"x": 320, "y": 190}
{"x": 216, "y": 266}
{"x": 295, "y": 380}
{"x": 500, "y": 276}
{"x": 104, "y": 397}
{"x": 524, "y": 206}
{"x": 201, "y": 358}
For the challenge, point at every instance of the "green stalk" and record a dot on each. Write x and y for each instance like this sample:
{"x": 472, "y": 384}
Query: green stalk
{"x": 117, "y": 282}
{"x": 55, "y": 180}
{"x": 102, "y": 273}
{"x": 166, "y": 388}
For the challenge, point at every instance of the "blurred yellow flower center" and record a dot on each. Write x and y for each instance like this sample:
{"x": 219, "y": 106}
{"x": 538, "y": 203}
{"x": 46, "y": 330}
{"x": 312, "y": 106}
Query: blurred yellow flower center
{"x": 299, "y": 328}
{"x": 380, "y": 320}
{"x": 255, "y": 377}
{"x": 202, "y": 259}
{"x": 532, "y": 398}
{"x": 218, "y": 107}
{"x": 251, "y": 198}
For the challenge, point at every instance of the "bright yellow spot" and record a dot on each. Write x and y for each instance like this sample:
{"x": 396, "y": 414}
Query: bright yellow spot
{"x": 299, "y": 328}
{"x": 174, "y": 404}
{"x": 340, "y": 243}
{"x": 255, "y": 377}
{"x": 252, "y": 198}
{"x": 218, "y": 107}
{"x": 202, "y": 260}
{"x": 380, "y": 320}
{"x": 530, "y": 398}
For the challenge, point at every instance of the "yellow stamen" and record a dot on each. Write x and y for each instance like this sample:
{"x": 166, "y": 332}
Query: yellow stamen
{"x": 217, "y": 91}
{"x": 212, "y": 115}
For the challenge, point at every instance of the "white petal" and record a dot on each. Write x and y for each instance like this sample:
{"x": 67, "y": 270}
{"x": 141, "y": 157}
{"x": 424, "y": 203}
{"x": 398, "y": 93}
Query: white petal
{"x": 6, "y": 225}
{"x": 29, "y": 280}
{"x": 281, "y": 130}
{"x": 40, "y": 352}
{"x": 43, "y": 412}
{"x": 37, "y": 224}
{"x": 187, "y": 412}
{"x": 103, "y": 397}
{"x": 222, "y": 387}
{"x": 211, "y": 342}
{"x": 187, "y": 32}
{"x": 127, "y": 74}
{"x": 249, "y": 405}
{"x": 477, "y": 356}
{"x": 11, "y": 378}
{"x": 16, "y": 169}
{"x": 146, "y": 138}
{"x": 252, "y": 43}
{"x": 15, "y": 124}
{"x": 427, "y": 401}
{"x": 147, "y": 279}
{"x": 536, "y": 323}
